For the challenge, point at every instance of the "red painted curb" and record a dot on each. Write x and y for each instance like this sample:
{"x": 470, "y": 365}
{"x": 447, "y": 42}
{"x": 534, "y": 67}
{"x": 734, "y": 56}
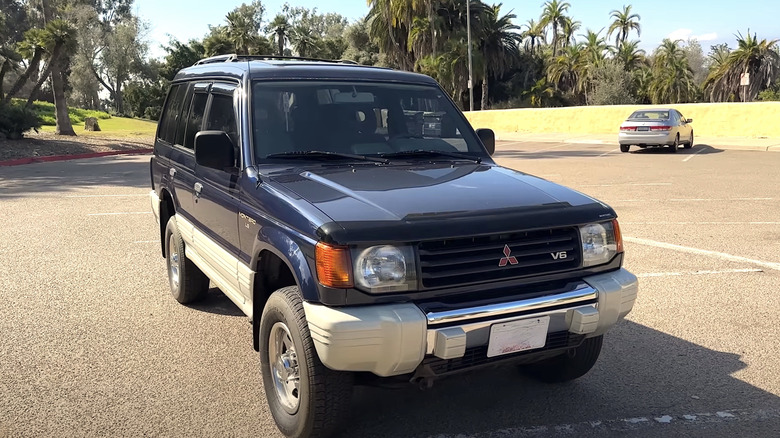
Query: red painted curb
{"x": 49, "y": 158}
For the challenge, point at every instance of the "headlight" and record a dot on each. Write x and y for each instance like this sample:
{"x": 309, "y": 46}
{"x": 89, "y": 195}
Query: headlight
{"x": 600, "y": 242}
{"x": 385, "y": 268}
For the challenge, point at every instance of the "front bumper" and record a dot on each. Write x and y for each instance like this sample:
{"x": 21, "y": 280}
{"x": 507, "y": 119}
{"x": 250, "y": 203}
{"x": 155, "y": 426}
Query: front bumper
{"x": 393, "y": 339}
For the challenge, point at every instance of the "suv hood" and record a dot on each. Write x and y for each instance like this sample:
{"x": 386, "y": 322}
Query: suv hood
{"x": 380, "y": 198}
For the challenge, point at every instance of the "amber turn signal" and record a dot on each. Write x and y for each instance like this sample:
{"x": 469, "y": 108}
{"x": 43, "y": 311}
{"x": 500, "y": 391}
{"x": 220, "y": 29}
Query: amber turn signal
{"x": 618, "y": 235}
{"x": 334, "y": 266}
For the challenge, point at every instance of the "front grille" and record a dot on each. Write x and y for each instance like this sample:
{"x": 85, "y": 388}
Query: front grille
{"x": 478, "y": 259}
{"x": 478, "y": 355}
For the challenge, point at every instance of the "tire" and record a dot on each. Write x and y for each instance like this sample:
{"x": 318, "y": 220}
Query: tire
{"x": 674, "y": 146}
{"x": 690, "y": 142}
{"x": 318, "y": 403}
{"x": 187, "y": 282}
{"x": 625, "y": 147}
{"x": 571, "y": 365}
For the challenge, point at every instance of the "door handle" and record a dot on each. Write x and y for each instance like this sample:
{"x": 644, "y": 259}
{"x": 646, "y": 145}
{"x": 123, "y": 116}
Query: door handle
{"x": 171, "y": 171}
{"x": 198, "y": 187}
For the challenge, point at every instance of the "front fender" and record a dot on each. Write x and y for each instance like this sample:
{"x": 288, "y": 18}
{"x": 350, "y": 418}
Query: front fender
{"x": 295, "y": 251}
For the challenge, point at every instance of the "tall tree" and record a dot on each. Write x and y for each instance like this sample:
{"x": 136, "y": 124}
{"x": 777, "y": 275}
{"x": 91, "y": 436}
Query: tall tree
{"x": 498, "y": 42}
{"x": 279, "y": 26}
{"x": 672, "y": 76}
{"x": 623, "y": 23}
{"x": 569, "y": 27}
{"x": 553, "y": 15}
{"x": 533, "y": 34}
{"x": 630, "y": 56}
{"x": 758, "y": 58}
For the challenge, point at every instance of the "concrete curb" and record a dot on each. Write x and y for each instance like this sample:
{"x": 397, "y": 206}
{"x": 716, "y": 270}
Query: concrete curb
{"x": 49, "y": 158}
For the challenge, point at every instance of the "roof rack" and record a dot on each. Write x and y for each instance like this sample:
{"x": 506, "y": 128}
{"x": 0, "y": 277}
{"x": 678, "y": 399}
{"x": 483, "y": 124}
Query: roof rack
{"x": 239, "y": 58}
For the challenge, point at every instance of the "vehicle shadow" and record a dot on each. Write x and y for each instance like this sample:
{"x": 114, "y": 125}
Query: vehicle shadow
{"x": 217, "y": 303}
{"x": 568, "y": 151}
{"x": 69, "y": 176}
{"x": 698, "y": 149}
{"x": 641, "y": 372}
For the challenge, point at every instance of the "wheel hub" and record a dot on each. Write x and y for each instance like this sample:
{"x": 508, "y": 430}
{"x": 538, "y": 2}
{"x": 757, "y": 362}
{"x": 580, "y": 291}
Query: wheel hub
{"x": 173, "y": 265}
{"x": 284, "y": 367}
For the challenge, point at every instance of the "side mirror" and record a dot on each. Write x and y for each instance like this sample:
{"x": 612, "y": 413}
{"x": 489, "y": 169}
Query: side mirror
{"x": 488, "y": 138}
{"x": 688, "y": 120}
{"x": 214, "y": 149}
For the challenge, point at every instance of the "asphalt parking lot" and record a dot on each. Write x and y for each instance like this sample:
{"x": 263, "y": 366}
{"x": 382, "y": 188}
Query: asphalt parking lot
{"x": 92, "y": 344}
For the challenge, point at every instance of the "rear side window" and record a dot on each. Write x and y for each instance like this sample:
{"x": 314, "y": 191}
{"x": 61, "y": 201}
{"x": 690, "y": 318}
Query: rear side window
{"x": 172, "y": 113}
{"x": 195, "y": 119}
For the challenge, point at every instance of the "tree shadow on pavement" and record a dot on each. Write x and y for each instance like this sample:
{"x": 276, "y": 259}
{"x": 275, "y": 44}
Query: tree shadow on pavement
{"x": 68, "y": 176}
{"x": 641, "y": 373}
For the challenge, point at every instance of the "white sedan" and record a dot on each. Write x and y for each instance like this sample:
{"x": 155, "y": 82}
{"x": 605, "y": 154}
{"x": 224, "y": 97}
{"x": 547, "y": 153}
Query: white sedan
{"x": 657, "y": 128}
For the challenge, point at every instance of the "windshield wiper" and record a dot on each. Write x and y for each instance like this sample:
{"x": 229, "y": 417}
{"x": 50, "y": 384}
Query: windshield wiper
{"x": 422, "y": 152}
{"x": 326, "y": 154}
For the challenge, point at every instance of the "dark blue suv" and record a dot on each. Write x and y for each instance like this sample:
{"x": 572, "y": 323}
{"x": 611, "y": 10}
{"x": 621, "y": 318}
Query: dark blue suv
{"x": 360, "y": 223}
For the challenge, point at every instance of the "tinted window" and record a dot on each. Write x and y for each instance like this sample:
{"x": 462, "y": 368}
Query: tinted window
{"x": 195, "y": 119}
{"x": 181, "y": 127}
{"x": 172, "y": 112}
{"x": 360, "y": 118}
{"x": 652, "y": 115}
{"x": 222, "y": 116}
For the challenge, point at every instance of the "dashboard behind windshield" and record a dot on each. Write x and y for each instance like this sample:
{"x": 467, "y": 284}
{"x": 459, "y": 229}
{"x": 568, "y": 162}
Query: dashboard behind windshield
{"x": 356, "y": 118}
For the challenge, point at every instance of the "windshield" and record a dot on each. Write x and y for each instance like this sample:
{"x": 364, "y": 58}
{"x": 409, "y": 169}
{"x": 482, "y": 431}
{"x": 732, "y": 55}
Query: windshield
{"x": 356, "y": 118}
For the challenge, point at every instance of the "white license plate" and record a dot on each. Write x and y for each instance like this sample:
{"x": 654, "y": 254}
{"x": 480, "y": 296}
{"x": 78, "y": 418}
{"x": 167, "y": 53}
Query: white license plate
{"x": 511, "y": 337}
{"x": 643, "y": 128}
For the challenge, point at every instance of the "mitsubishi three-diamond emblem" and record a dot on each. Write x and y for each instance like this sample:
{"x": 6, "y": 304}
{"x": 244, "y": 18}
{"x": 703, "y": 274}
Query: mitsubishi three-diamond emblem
{"x": 507, "y": 257}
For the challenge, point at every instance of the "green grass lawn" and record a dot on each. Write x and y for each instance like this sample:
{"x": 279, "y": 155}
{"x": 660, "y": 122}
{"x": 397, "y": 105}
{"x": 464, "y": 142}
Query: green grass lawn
{"x": 115, "y": 126}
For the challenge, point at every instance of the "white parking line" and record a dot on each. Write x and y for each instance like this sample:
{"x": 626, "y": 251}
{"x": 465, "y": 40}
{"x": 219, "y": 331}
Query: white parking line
{"x": 119, "y": 213}
{"x": 693, "y": 155}
{"x": 680, "y": 274}
{"x": 105, "y": 196}
{"x": 607, "y": 153}
{"x": 691, "y": 200}
{"x": 720, "y": 255}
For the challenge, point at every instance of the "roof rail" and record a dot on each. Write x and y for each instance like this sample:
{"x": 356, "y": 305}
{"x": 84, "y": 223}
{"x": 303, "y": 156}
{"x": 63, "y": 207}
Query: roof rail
{"x": 238, "y": 58}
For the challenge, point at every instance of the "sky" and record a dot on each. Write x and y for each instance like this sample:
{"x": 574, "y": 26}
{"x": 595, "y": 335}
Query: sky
{"x": 709, "y": 21}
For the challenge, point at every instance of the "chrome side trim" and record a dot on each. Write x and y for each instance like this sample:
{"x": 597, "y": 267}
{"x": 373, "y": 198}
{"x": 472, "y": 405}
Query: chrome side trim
{"x": 581, "y": 294}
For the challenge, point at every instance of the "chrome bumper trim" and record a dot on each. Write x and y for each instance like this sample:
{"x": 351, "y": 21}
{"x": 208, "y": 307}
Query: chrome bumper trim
{"x": 581, "y": 294}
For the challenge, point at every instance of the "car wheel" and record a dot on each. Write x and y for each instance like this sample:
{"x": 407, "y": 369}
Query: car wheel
{"x": 625, "y": 147}
{"x": 571, "y": 365}
{"x": 690, "y": 142}
{"x": 306, "y": 398}
{"x": 674, "y": 146}
{"x": 187, "y": 282}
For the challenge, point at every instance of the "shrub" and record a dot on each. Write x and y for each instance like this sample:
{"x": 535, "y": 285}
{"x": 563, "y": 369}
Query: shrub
{"x": 46, "y": 112}
{"x": 15, "y": 120}
{"x": 612, "y": 85}
{"x": 153, "y": 113}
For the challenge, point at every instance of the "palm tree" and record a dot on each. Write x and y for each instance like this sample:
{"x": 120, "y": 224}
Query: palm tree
{"x": 595, "y": 47}
{"x": 569, "y": 27}
{"x": 630, "y": 56}
{"x": 624, "y": 22}
{"x": 389, "y": 24}
{"x": 759, "y": 59}
{"x": 241, "y": 31}
{"x": 279, "y": 27}
{"x": 566, "y": 71}
{"x": 304, "y": 40}
{"x": 541, "y": 94}
{"x": 33, "y": 47}
{"x": 499, "y": 45}
{"x": 534, "y": 32}
{"x": 553, "y": 15}
{"x": 673, "y": 80}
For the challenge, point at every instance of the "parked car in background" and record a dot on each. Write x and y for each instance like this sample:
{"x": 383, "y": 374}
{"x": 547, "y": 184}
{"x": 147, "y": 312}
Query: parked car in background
{"x": 656, "y": 128}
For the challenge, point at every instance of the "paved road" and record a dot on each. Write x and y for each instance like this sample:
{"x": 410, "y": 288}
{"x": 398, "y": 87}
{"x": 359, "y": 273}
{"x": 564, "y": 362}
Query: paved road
{"x": 92, "y": 344}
